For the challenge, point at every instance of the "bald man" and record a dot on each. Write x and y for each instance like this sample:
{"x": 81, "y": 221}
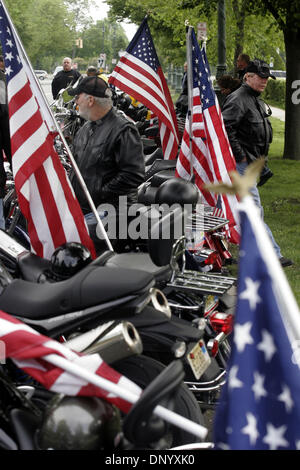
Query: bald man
{"x": 65, "y": 77}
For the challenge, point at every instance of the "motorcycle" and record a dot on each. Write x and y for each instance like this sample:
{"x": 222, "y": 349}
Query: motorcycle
{"x": 53, "y": 421}
{"x": 34, "y": 269}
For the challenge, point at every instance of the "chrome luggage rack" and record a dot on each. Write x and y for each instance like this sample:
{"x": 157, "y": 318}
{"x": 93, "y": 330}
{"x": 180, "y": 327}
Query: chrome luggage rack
{"x": 205, "y": 222}
{"x": 195, "y": 281}
{"x": 204, "y": 283}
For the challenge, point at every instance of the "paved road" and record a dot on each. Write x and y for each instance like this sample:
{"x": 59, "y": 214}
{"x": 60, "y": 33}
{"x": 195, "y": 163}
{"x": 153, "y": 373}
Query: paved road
{"x": 278, "y": 113}
{"x": 46, "y": 86}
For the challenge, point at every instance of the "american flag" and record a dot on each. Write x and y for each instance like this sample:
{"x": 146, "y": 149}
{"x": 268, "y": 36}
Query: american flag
{"x": 139, "y": 74}
{"x": 27, "y": 348}
{"x": 44, "y": 193}
{"x": 210, "y": 152}
{"x": 218, "y": 211}
{"x": 259, "y": 407}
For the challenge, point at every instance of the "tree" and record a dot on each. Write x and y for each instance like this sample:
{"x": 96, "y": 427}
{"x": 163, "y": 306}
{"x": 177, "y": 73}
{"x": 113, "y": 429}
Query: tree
{"x": 103, "y": 37}
{"x": 287, "y": 16}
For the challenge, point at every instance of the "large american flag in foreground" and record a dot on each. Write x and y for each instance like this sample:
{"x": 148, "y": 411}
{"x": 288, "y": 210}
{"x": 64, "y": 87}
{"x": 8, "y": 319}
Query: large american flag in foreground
{"x": 27, "y": 348}
{"x": 260, "y": 404}
{"x": 210, "y": 151}
{"x": 45, "y": 195}
{"x": 139, "y": 74}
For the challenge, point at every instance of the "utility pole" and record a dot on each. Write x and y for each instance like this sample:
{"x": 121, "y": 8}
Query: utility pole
{"x": 221, "y": 67}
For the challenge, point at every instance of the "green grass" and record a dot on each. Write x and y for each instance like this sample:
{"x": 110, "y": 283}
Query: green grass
{"x": 280, "y": 198}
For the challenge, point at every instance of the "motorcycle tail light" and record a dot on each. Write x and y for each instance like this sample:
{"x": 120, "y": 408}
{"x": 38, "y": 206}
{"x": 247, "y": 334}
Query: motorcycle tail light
{"x": 222, "y": 322}
{"x": 211, "y": 259}
{"x": 213, "y": 347}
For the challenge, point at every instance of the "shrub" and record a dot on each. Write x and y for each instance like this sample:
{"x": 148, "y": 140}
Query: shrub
{"x": 275, "y": 92}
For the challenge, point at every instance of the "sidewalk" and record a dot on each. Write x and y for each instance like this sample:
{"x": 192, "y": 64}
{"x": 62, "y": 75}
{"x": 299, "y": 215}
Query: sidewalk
{"x": 278, "y": 113}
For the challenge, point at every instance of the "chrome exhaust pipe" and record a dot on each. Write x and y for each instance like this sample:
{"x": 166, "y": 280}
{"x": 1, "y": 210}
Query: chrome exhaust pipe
{"x": 160, "y": 301}
{"x": 113, "y": 342}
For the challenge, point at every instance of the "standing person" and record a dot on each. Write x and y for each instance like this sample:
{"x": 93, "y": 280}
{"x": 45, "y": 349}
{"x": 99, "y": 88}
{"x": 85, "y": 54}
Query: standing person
{"x": 65, "y": 77}
{"x": 108, "y": 151}
{"x": 92, "y": 71}
{"x": 181, "y": 104}
{"x": 228, "y": 84}
{"x": 242, "y": 63}
{"x": 184, "y": 87}
{"x": 248, "y": 128}
{"x": 4, "y": 137}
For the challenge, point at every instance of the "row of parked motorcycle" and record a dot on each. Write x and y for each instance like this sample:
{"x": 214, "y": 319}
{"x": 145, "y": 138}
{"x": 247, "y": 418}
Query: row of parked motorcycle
{"x": 159, "y": 310}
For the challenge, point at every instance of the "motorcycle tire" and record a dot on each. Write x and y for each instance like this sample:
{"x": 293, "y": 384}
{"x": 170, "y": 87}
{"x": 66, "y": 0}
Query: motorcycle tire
{"x": 142, "y": 370}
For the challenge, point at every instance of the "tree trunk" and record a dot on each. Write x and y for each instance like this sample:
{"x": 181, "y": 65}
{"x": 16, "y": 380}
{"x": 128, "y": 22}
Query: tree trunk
{"x": 292, "y": 99}
{"x": 239, "y": 9}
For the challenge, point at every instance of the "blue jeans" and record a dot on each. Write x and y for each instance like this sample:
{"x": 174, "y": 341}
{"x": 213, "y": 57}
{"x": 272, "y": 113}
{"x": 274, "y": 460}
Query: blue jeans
{"x": 241, "y": 168}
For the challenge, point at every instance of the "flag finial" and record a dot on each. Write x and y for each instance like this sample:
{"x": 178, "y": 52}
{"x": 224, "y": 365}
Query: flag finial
{"x": 240, "y": 184}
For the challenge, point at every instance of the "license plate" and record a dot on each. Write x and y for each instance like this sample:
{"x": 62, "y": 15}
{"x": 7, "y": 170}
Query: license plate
{"x": 198, "y": 358}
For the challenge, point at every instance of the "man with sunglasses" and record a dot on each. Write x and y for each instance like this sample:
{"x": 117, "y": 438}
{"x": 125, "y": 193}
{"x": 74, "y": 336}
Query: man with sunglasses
{"x": 248, "y": 128}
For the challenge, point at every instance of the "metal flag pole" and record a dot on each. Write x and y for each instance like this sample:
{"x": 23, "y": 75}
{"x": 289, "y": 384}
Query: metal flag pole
{"x": 164, "y": 413}
{"x": 53, "y": 126}
{"x": 190, "y": 93}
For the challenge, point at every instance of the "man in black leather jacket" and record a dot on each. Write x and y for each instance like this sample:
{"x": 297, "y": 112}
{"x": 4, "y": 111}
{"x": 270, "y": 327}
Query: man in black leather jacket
{"x": 107, "y": 149}
{"x": 248, "y": 128}
{"x": 65, "y": 77}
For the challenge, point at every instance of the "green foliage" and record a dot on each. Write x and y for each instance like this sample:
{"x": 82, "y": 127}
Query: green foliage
{"x": 167, "y": 20}
{"x": 51, "y": 32}
{"x": 103, "y": 37}
{"x": 280, "y": 198}
{"x": 275, "y": 92}
{"x": 281, "y": 201}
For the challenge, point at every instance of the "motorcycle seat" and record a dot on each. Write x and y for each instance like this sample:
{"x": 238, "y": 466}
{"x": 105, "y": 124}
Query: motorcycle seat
{"x": 164, "y": 232}
{"x": 160, "y": 166}
{"x": 92, "y": 286}
{"x": 156, "y": 155}
{"x": 164, "y": 175}
{"x": 140, "y": 261}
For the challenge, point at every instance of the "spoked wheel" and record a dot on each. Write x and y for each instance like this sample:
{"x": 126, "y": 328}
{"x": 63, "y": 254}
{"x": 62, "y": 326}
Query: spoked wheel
{"x": 142, "y": 370}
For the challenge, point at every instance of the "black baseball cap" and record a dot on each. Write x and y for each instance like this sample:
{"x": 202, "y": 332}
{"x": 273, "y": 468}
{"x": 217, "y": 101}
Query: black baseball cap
{"x": 260, "y": 67}
{"x": 94, "y": 86}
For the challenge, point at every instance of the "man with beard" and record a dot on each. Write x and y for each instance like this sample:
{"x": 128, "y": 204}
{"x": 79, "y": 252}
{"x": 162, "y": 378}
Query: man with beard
{"x": 107, "y": 149}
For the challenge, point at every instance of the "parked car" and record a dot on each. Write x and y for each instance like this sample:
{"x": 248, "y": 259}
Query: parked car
{"x": 57, "y": 69}
{"x": 41, "y": 74}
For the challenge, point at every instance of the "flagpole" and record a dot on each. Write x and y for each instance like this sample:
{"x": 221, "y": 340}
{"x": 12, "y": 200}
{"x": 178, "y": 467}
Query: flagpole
{"x": 282, "y": 291}
{"x": 190, "y": 95}
{"x": 51, "y": 118}
{"x": 164, "y": 413}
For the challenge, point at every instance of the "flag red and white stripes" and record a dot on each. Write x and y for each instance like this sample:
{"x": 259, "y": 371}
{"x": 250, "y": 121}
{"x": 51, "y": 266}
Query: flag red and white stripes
{"x": 45, "y": 195}
{"x": 210, "y": 152}
{"x": 27, "y": 348}
{"x": 140, "y": 75}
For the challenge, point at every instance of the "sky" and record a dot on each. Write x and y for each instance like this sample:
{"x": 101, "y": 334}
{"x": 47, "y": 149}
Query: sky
{"x": 100, "y": 12}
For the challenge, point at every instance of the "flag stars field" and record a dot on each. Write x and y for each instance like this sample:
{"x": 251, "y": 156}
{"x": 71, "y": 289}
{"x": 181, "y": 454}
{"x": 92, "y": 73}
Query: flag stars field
{"x": 251, "y": 428}
{"x": 267, "y": 345}
{"x": 242, "y": 336}
{"x": 274, "y": 437}
{"x": 258, "y": 386}
{"x": 260, "y": 400}
{"x": 251, "y": 292}
{"x": 286, "y": 398}
{"x": 233, "y": 381}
